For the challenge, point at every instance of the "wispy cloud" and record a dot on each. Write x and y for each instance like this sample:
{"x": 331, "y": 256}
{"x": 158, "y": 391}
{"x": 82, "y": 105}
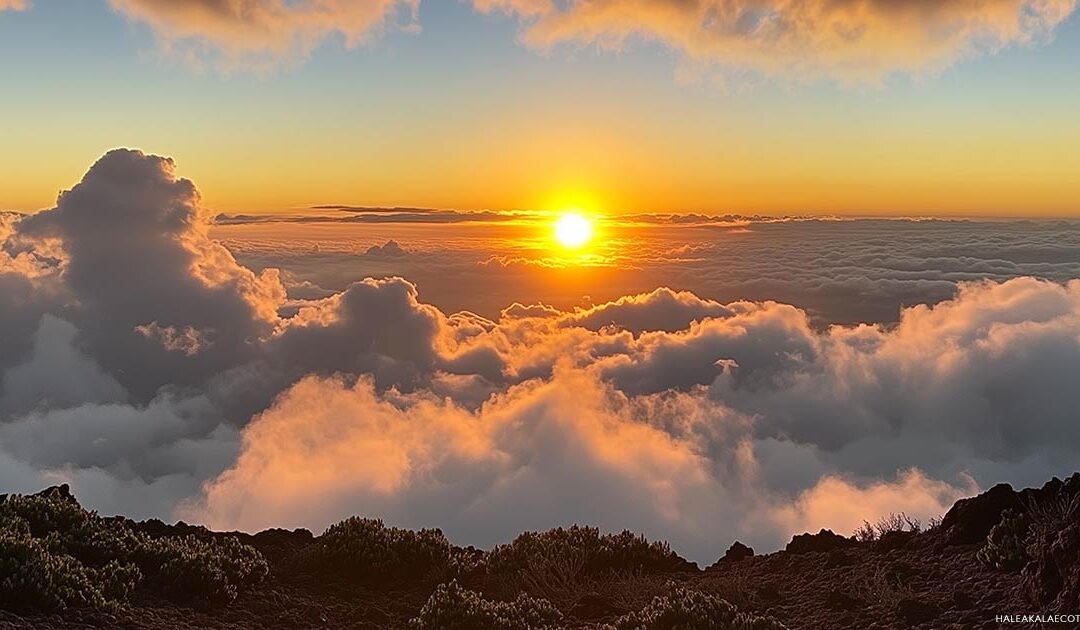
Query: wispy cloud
{"x": 245, "y": 34}
{"x": 14, "y": 5}
{"x": 853, "y": 42}
{"x": 859, "y": 41}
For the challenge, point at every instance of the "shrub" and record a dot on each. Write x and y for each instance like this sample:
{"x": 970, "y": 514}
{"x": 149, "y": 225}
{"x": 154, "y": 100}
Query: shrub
{"x": 33, "y": 579}
{"x": 211, "y": 571}
{"x": 366, "y": 548}
{"x": 451, "y": 607}
{"x": 1006, "y": 546}
{"x": 684, "y": 609}
{"x": 586, "y": 546}
{"x": 62, "y": 555}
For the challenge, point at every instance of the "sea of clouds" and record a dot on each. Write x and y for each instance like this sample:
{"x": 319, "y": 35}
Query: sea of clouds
{"x": 143, "y": 363}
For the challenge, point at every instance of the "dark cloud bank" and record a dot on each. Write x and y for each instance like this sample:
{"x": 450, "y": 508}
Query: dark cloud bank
{"x": 146, "y": 366}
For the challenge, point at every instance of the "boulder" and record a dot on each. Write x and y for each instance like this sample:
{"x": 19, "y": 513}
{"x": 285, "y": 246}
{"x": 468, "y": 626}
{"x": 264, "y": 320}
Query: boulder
{"x": 969, "y": 521}
{"x": 823, "y": 541}
{"x": 737, "y": 551}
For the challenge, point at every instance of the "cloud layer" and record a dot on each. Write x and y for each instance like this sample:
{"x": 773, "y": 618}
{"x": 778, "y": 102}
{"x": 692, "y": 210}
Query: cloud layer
{"x": 161, "y": 377}
{"x": 860, "y": 41}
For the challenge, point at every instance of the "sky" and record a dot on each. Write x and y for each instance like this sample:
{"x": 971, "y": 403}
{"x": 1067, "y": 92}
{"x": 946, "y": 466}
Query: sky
{"x": 962, "y": 109}
{"x": 275, "y": 264}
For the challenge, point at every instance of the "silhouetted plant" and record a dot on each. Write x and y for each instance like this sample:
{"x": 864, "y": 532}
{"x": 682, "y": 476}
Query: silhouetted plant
{"x": 688, "y": 609}
{"x": 894, "y": 522}
{"x": 59, "y": 555}
{"x": 364, "y": 547}
{"x": 452, "y": 607}
{"x": 210, "y": 571}
{"x": 33, "y": 579}
{"x": 1006, "y": 545}
{"x": 587, "y": 547}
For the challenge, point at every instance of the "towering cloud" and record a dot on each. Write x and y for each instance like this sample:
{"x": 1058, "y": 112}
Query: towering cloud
{"x": 849, "y": 40}
{"x": 142, "y": 274}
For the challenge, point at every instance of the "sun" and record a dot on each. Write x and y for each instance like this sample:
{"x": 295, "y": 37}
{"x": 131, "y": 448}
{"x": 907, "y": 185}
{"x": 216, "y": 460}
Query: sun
{"x": 573, "y": 230}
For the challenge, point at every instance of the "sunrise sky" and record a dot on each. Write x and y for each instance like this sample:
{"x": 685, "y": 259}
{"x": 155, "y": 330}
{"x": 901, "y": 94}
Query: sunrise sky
{"x": 872, "y": 107}
{"x": 505, "y": 265}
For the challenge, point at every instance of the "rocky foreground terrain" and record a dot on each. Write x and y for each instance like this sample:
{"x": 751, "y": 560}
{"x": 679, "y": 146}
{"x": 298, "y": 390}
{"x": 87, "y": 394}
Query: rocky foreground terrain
{"x": 1001, "y": 553}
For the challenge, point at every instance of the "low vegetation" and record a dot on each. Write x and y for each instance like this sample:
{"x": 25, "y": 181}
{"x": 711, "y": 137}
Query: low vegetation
{"x": 452, "y": 607}
{"x": 56, "y": 555}
{"x": 585, "y": 546}
{"x": 1006, "y": 546}
{"x": 684, "y": 608}
{"x": 895, "y": 522}
{"x": 365, "y": 548}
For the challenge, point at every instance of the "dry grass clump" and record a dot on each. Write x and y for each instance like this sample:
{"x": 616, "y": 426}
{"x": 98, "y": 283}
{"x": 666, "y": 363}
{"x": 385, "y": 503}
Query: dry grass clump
{"x": 894, "y": 522}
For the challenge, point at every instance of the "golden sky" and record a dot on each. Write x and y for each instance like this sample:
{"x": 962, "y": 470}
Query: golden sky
{"x": 958, "y": 108}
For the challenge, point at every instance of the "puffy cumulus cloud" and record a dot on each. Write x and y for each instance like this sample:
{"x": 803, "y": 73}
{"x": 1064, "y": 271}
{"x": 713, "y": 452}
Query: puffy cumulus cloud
{"x": 26, "y": 291}
{"x": 246, "y": 33}
{"x": 55, "y": 374}
{"x": 374, "y": 326}
{"x": 798, "y": 428}
{"x": 860, "y": 41}
{"x": 567, "y": 450}
{"x": 976, "y": 383}
{"x": 137, "y": 257}
{"x": 660, "y": 310}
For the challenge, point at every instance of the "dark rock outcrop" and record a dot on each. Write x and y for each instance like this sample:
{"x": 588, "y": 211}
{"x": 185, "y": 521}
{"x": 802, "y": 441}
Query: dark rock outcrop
{"x": 737, "y": 551}
{"x": 969, "y": 521}
{"x": 825, "y": 540}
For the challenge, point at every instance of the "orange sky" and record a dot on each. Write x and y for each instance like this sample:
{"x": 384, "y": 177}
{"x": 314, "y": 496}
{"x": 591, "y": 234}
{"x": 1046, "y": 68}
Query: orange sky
{"x": 952, "y": 113}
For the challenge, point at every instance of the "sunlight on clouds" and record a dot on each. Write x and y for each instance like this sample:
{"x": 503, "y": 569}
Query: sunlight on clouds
{"x": 858, "y": 42}
{"x": 260, "y": 33}
{"x": 185, "y": 383}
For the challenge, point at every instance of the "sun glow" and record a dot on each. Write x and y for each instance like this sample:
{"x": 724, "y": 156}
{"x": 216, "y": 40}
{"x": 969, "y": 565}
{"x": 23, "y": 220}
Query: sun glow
{"x": 573, "y": 230}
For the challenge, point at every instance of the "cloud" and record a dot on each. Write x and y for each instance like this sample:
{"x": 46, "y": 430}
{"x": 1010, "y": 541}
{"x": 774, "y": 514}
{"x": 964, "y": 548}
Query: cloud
{"x": 260, "y": 33}
{"x": 542, "y": 453}
{"x": 14, "y": 5}
{"x": 160, "y": 376}
{"x": 137, "y": 254}
{"x": 843, "y": 506}
{"x": 851, "y": 41}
